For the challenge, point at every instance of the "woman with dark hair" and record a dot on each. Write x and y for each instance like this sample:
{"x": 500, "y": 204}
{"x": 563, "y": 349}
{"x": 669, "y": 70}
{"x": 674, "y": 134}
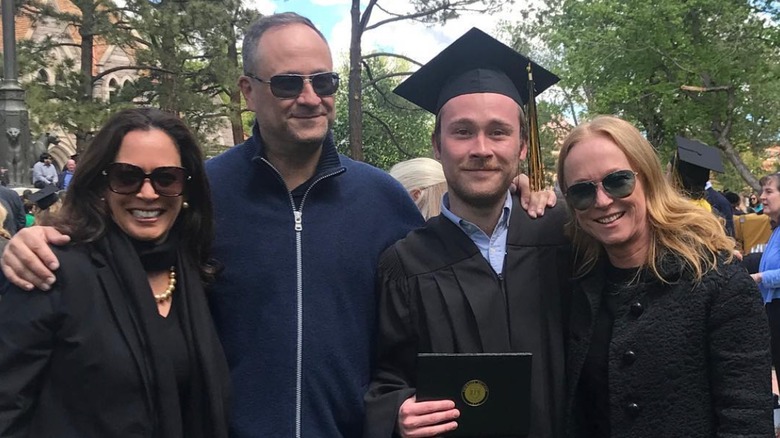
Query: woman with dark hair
{"x": 123, "y": 344}
{"x": 668, "y": 335}
{"x": 768, "y": 275}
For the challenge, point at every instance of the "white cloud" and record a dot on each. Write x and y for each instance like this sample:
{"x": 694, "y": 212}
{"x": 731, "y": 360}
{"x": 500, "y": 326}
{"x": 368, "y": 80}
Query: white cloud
{"x": 265, "y": 7}
{"x": 331, "y": 2}
{"x": 410, "y": 38}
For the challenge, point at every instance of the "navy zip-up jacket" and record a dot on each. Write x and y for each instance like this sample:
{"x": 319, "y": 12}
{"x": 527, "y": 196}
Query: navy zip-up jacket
{"x": 295, "y": 304}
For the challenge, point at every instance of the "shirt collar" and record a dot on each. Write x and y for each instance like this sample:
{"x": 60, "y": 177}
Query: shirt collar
{"x": 468, "y": 227}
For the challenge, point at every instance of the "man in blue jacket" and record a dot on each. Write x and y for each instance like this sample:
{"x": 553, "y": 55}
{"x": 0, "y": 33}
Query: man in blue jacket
{"x": 299, "y": 232}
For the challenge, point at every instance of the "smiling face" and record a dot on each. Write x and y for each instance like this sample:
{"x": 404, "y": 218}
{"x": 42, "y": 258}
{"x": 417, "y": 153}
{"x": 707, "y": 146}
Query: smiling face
{"x": 620, "y": 225}
{"x": 479, "y": 148}
{"x": 146, "y": 215}
{"x": 295, "y": 49}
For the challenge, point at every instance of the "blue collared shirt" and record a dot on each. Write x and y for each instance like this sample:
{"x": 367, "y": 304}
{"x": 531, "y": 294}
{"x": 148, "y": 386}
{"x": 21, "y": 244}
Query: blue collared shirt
{"x": 492, "y": 247}
{"x": 769, "y": 267}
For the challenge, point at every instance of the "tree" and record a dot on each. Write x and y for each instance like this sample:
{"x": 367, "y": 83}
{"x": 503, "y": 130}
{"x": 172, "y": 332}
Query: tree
{"x": 69, "y": 103}
{"x": 185, "y": 52}
{"x": 393, "y": 129}
{"x": 425, "y": 11}
{"x": 704, "y": 69}
{"x": 194, "y": 45}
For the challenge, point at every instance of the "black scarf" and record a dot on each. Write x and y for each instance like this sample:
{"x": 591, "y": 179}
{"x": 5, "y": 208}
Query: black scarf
{"x": 204, "y": 413}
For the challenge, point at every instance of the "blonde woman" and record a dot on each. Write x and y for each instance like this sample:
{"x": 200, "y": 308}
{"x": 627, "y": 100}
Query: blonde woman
{"x": 424, "y": 179}
{"x": 668, "y": 336}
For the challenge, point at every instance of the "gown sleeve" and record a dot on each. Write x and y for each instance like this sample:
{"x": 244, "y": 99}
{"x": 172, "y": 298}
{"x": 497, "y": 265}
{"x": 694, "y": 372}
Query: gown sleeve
{"x": 28, "y": 324}
{"x": 396, "y": 350}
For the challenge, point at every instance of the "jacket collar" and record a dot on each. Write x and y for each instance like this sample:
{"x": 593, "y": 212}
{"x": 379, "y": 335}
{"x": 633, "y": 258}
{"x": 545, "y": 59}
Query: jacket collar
{"x": 329, "y": 158}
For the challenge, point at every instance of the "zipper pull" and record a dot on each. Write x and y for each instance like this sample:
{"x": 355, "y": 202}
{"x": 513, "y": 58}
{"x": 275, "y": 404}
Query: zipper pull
{"x": 298, "y": 221}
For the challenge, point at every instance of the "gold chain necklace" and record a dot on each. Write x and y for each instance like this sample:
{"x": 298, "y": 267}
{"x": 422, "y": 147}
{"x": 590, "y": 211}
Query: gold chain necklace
{"x": 165, "y": 296}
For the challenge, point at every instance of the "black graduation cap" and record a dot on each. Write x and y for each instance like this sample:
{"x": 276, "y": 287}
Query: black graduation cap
{"x": 45, "y": 197}
{"x": 696, "y": 159}
{"x": 474, "y": 63}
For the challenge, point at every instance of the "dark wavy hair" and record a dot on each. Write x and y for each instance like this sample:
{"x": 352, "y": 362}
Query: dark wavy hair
{"x": 85, "y": 215}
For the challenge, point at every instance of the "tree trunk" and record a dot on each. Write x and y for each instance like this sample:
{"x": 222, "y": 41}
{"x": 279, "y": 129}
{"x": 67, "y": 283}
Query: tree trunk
{"x": 86, "y": 32}
{"x": 355, "y": 86}
{"x": 236, "y": 124}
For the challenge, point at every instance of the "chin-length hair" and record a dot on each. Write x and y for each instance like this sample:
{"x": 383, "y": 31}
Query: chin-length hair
{"x": 85, "y": 214}
{"x": 677, "y": 227}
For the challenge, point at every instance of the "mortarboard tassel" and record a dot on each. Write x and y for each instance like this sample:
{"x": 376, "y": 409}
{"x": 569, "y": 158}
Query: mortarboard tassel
{"x": 535, "y": 168}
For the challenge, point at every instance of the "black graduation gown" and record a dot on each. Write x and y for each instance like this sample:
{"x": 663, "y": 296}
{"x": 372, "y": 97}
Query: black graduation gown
{"x": 437, "y": 293}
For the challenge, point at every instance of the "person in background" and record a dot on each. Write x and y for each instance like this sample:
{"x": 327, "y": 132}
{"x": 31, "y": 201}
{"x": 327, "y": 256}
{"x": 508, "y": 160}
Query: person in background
{"x": 691, "y": 175}
{"x": 754, "y": 204}
{"x": 46, "y": 205}
{"x": 424, "y": 179}
{"x": 123, "y": 344}
{"x": 44, "y": 173}
{"x": 736, "y": 203}
{"x": 768, "y": 275}
{"x": 15, "y": 220}
{"x": 5, "y": 235}
{"x": 668, "y": 336}
{"x": 64, "y": 178}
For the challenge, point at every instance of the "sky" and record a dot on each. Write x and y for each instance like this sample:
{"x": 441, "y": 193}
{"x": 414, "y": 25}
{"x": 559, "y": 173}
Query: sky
{"x": 413, "y": 39}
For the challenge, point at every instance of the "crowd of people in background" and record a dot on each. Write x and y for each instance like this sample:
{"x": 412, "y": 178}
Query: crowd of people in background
{"x": 284, "y": 290}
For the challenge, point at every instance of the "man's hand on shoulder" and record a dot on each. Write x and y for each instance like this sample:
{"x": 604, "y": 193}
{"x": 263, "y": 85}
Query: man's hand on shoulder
{"x": 426, "y": 419}
{"x": 28, "y": 261}
{"x": 535, "y": 203}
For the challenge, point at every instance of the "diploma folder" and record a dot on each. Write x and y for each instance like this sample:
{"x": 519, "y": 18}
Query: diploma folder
{"x": 491, "y": 390}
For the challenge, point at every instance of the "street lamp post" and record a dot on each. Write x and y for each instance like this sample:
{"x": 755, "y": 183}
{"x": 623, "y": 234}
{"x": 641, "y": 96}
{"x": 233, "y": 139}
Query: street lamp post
{"x": 14, "y": 121}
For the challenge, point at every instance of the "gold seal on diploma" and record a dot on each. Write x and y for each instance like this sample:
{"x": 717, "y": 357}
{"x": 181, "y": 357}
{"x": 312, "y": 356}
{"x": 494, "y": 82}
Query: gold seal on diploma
{"x": 474, "y": 392}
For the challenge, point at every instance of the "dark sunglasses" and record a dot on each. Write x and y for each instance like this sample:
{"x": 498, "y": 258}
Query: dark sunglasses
{"x": 126, "y": 179}
{"x": 289, "y": 86}
{"x": 617, "y": 185}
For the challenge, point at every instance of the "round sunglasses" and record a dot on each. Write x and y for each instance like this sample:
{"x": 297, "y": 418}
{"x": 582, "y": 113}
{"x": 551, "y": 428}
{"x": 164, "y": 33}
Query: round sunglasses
{"x": 127, "y": 179}
{"x": 290, "y": 86}
{"x": 617, "y": 185}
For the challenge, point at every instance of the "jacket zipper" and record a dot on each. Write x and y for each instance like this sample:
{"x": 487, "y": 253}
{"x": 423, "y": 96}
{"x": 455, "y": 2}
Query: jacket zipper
{"x": 298, "y": 228}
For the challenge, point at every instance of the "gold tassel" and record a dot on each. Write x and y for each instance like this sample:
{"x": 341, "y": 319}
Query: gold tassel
{"x": 535, "y": 167}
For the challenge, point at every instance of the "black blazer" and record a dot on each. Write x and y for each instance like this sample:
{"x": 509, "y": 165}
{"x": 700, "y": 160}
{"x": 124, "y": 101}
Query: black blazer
{"x": 71, "y": 360}
{"x": 686, "y": 359}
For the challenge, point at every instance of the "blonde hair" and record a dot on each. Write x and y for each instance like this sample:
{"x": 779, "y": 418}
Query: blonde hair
{"x": 676, "y": 226}
{"x": 426, "y": 176}
{"x": 46, "y": 216}
{"x": 3, "y": 215}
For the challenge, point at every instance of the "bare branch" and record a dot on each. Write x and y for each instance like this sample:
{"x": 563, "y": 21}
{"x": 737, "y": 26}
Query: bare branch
{"x": 389, "y": 132}
{"x": 705, "y": 89}
{"x": 409, "y": 16}
{"x": 392, "y": 55}
{"x": 366, "y": 15}
{"x": 385, "y": 76}
{"x": 102, "y": 74}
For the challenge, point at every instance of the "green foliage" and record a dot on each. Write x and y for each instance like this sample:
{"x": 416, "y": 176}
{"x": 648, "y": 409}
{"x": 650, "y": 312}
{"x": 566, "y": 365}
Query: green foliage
{"x": 393, "y": 129}
{"x": 635, "y": 59}
{"x": 185, "y": 54}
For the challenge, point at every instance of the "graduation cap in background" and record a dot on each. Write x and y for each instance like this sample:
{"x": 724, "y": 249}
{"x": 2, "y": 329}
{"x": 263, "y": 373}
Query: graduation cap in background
{"x": 478, "y": 63}
{"x": 45, "y": 197}
{"x": 693, "y": 162}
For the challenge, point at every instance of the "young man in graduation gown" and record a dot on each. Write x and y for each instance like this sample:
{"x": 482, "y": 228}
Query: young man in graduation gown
{"x": 482, "y": 277}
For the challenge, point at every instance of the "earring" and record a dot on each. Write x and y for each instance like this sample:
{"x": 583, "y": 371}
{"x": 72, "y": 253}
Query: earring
{"x": 185, "y": 205}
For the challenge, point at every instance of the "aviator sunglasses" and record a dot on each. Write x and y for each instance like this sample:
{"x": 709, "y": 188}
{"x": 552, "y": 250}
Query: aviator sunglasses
{"x": 289, "y": 86}
{"x": 617, "y": 185}
{"x": 126, "y": 179}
